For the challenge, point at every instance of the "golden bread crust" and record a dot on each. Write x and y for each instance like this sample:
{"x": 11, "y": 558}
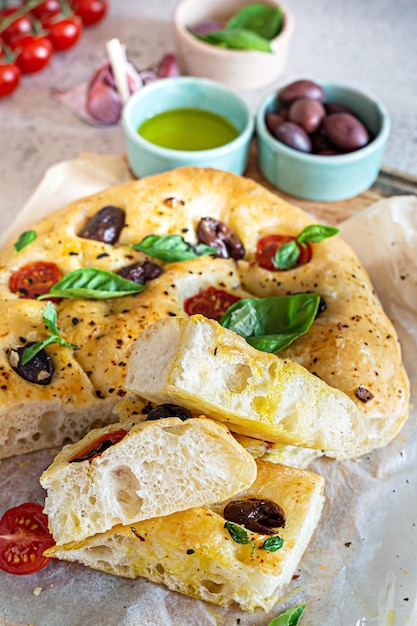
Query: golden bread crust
{"x": 193, "y": 553}
{"x": 351, "y": 346}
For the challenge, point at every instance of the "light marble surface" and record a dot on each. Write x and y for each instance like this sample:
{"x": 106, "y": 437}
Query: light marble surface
{"x": 370, "y": 45}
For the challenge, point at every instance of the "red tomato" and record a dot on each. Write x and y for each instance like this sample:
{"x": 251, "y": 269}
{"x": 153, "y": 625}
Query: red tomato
{"x": 268, "y": 246}
{"x": 9, "y": 78}
{"x": 45, "y": 10}
{"x": 34, "y": 52}
{"x": 64, "y": 32}
{"x": 24, "y": 536}
{"x": 97, "y": 447}
{"x": 212, "y": 303}
{"x": 19, "y": 26}
{"x": 90, "y": 11}
{"x": 34, "y": 279}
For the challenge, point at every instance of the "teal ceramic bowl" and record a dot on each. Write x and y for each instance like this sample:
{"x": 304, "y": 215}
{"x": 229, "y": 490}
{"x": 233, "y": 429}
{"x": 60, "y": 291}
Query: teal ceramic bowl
{"x": 166, "y": 94}
{"x": 325, "y": 178}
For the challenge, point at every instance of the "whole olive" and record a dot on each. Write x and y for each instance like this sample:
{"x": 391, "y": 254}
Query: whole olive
{"x": 302, "y": 89}
{"x": 345, "y": 131}
{"x": 162, "y": 411}
{"x": 336, "y": 107}
{"x": 273, "y": 120}
{"x": 321, "y": 141}
{"x": 308, "y": 113}
{"x": 293, "y": 136}
{"x": 106, "y": 225}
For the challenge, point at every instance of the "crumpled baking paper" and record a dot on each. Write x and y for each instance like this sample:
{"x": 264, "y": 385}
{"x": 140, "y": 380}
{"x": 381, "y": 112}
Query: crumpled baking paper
{"x": 360, "y": 568}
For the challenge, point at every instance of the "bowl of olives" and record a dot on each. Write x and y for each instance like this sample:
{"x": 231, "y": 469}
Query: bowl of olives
{"x": 321, "y": 142}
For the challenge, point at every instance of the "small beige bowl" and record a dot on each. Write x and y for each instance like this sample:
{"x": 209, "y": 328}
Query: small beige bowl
{"x": 239, "y": 69}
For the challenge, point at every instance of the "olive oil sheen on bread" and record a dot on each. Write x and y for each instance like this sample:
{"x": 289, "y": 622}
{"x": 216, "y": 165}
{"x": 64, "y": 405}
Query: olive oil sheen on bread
{"x": 188, "y": 129}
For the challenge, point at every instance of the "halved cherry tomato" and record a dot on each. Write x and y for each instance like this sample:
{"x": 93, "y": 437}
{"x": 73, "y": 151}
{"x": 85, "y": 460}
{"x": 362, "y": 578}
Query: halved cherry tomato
{"x": 9, "y": 78}
{"x": 97, "y": 447}
{"x": 212, "y": 303}
{"x": 268, "y": 246}
{"x": 64, "y": 32}
{"x": 21, "y": 25}
{"x": 24, "y": 536}
{"x": 90, "y": 11}
{"x": 34, "y": 279}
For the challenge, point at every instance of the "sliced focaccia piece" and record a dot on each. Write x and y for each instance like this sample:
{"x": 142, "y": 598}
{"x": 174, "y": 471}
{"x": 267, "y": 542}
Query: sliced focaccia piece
{"x": 205, "y": 367}
{"x": 295, "y": 456}
{"x": 192, "y": 551}
{"x": 125, "y": 473}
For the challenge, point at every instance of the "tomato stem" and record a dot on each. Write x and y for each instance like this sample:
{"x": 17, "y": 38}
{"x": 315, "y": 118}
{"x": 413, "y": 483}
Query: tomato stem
{"x": 10, "y": 56}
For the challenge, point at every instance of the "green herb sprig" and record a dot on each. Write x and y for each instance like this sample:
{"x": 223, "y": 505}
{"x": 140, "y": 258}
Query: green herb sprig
{"x": 171, "y": 248}
{"x": 24, "y": 240}
{"x": 291, "y": 617}
{"x": 92, "y": 283}
{"x": 251, "y": 28}
{"x": 240, "y": 535}
{"x": 287, "y": 255}
{"x": 50, "y": 317}
{"x": 271, "y": 324}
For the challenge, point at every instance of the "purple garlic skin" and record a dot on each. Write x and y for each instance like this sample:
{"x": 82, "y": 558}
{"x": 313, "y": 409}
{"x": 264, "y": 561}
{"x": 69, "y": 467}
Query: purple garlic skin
{"x": 103, "y": 100}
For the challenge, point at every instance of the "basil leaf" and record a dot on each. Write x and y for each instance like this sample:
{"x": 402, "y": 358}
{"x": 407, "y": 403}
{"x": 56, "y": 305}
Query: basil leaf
{"x": 237, "y": 533}
{"x": 259, "y": 18}
{"x": 271, "y": 324}
{"x": 171, "y": 248}
{"x": 290, "y": 617}
{"x": 315, "y": 233}
{"x": 33, "y": 350}
{"x": 272, "y": 544}
{"x": 90, "y": 282}
{"x": 25, "y": 239}
{"x": 287, "y": 255}
{"x": 237, "y": 39}
{"x": 272, "y": 343}
{"x": 50, "y": 317}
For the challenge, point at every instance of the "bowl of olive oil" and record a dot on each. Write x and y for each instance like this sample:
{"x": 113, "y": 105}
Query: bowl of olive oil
{"x": 186, "y": 121}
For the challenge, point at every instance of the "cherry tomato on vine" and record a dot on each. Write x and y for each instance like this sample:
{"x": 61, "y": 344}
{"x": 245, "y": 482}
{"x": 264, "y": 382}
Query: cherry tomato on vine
{"x": 90, "y": 11}
{"x": 34, "y": 52}
{"x": 64, "y": 32}
{"x": 24, "y": 536}
{"x": 268, "y": 246}
{"x": 9, "y": 78}
{"x": 45, "y": 10}
{"x": 19, "y": 26}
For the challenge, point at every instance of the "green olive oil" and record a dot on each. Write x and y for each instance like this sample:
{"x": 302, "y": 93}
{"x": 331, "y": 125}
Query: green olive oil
{"x": 188, "y": 129}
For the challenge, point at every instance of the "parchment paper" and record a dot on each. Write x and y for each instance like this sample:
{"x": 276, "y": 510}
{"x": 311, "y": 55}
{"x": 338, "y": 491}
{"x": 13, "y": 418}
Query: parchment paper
{"x": 361, "y": 566}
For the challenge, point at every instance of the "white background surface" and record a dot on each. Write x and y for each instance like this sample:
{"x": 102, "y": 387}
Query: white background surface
{"x": 368, "y": 44}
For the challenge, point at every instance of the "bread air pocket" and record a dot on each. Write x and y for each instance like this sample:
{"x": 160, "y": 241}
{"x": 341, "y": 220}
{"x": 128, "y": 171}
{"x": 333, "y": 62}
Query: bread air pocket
{"x": 125, "y": 473}
{"x": 210, "y": 369}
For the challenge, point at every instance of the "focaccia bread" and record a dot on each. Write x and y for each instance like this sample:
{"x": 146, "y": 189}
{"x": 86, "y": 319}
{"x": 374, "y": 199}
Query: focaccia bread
{"x": 127, "y": 472}
{"x": 352, "y": 345}
{"x": 199, "y": 364}
{"x": 193, "y": 553}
